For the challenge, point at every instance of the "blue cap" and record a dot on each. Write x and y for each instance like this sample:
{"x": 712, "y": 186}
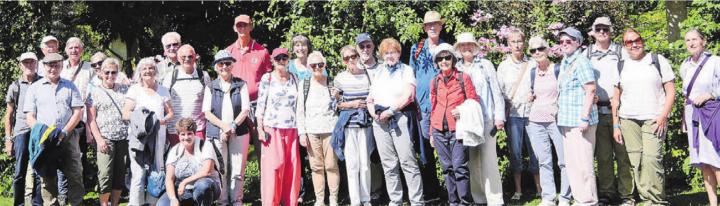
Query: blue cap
{"x": 222, "y": 55}
{"x": 362, "y": 37}
{"x": 572, "y": 32}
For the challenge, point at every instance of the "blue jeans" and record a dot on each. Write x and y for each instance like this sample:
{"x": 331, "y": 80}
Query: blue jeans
{"x": 516, "y": 136}
{"x": 454, "y": 159}
{"x": 205, "y": 191}
{"x": 543, "y": 137}
{"x": 22, "y": 158}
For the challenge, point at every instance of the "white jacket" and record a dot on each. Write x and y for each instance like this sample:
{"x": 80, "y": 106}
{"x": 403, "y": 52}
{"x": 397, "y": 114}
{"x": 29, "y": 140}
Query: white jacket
{"x": 470, "y": 127}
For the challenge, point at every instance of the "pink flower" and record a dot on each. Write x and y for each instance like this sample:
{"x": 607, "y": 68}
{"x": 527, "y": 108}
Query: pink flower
{"x": 555, "y": 51}
{"x": 479, "y": 17}
{"x": 504, "y": 31}
{"x": 556, "y": 28}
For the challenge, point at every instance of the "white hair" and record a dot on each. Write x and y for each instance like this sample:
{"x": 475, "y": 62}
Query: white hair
{"x": 316, "y": 54}
{"x": 72, "y": 40}
{"x": 170, "y": 36}
{"x": 147, "y": 61}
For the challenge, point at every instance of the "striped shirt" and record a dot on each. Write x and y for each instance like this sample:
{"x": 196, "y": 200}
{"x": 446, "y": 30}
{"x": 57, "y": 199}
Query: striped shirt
{"x": 353, "y": 87}
{"x": 186, "y": 98}
{"x": 575, "y": 71}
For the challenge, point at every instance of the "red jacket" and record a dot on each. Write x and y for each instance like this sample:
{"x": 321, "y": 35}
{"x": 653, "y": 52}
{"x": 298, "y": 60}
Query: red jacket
{"x": 447, "y": 96}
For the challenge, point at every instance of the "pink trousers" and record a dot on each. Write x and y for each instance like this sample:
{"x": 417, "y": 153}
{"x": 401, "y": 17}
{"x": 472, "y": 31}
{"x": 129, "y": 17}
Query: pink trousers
{"x": 280, "y": 167}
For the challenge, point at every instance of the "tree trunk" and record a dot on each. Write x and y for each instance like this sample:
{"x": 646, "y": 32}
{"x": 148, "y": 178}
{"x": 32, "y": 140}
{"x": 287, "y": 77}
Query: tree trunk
{"x": 676, "y": 14}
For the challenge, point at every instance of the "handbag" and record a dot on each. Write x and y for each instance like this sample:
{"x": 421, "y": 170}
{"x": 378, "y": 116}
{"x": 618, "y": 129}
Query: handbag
{"x": 156, "y": 183}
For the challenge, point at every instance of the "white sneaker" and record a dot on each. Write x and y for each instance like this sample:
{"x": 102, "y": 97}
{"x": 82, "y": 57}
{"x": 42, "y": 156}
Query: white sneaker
{"x": 562, "y": 203}
{"x": 547, "y": 203}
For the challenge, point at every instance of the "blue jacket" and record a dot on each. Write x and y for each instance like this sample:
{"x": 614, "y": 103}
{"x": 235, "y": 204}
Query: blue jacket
{"x": 338, "y": 134}
{"x": 44, "y": 148}
{"x": 411, "y": 112}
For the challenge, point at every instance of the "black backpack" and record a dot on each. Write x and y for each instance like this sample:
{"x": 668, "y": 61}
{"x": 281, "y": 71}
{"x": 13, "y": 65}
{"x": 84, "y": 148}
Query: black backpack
{"x": 458, "y": 75}
{"x": 201, "y": 78}
{"x": 556, "y": 71}
{"x": 306, "y": 88}
{"x": 655, "y": 62}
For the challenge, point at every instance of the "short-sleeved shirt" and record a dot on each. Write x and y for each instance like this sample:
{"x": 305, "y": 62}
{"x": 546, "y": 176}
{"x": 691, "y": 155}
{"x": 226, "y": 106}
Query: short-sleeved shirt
{"x": 250, "y": 65}
{"x": 165, "y": 68}
{"x": 544, "y": 106}
{"x": 227, "y": 106}
{"x": 643, "y": 94}
{"x": 187, "y": 98}
{"x": 508, "y": 73}
{"x": 186, "y": 165}
{"x": 605, "y": 65}
{"x": 153, "y": 102}
{"x": 277, "y": 102}
{"x": 371, "y": 70}
{"x": 425, "y": 70}
{"x": 108, "y": 105}
{"x": 16, "y": 95}
{"x": 353, "y": 87}
{"x": 52, "y": 104}
{"x": 82, "y": 79}
{"x": 575, "y": 71}
{"x": 388, "y": 86}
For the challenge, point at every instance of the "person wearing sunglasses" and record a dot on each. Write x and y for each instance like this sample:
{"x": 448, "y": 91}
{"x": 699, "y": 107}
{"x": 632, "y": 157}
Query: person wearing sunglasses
{"x": 352, "y": 136}
{"x": 604, "y": 56}
{"x": 315, "y": 121}
{"x": 645, "y": 93}
{"x": 95, "y": 63}
{"x": 448, "y": 90}
{"x": 392, "y": 107}
{"x": 226, "y": 105}
{"x": 700, "y": 88}
{"x": 577, "y": 116}
{"x": 171, "y": 42}
{"x": 150, "y": 95}
{"x": 514, "y": 83}
{"x": 278, "y": 134}
{"x": 110, "y": 131}
{"x": 542, "y": 127}
{"x": 485, "y": 180}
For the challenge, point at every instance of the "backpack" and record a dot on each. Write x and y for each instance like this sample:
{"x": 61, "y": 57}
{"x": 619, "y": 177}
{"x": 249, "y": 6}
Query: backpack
{"x": 306, "y": 89}
{"x": 458, "y": 75}
{"x": 655, "y": 62}
{"x": 220, "y": 167}
{"x": 532, "y": 76}
{"x": 201, "y": 78}
{"x": 618, "y": 51}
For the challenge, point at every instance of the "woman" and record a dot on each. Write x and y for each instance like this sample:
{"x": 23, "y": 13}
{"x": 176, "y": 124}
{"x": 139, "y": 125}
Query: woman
{"x": 542, "y": 129}
{"x": 485, "y": 184}
{"x": 577, "y": 117}
{"x": 109, "y": 131}
{"x": 391, "y": 103}
{"x": 280, "y": 162}
{"x": 701, "y": 74}
{"x": 226, "y": 106}
{"x": 315, "y": 120}
{"x": 353, "y": 129}
{"x": 191, "y": 177}
{"x": 448, "y": 90}
{"x": 298, "y": 66}
{"x": 148, "y": 94}
{"x": 96, "y": 62}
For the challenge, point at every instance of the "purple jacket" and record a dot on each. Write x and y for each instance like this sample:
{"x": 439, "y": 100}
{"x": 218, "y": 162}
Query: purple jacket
{"x": 707, "y": 116}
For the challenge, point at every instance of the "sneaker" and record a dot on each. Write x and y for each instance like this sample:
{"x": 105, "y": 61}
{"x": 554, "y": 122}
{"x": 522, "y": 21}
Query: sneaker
{"x": 628, "y": 202}
{"x": 546, "y": 203}
{"x": 516, "y": 196}
{"x": 563, "y": 203}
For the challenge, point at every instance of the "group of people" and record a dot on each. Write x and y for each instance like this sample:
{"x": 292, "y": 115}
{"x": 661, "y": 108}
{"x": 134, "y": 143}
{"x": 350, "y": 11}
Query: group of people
{"x": 186, "y": 136}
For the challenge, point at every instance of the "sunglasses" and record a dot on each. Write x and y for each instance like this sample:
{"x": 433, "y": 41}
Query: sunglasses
{"x": 242, "y": 24}
{"x": 365, "y": 46}
{"x": 317, "y": 65}
{"x": 225, "y": 63}
{"x": 168, "y": 46}
{"x": 539, "y": 49}
{"x": 111, "y": 72}
{"x": 96, "y": 64}
{"x": 602, "y": 30}
{"x": 348, "y": 58}
{"x": 566, "y": 41}
{"x": 630, "y": 43}
{"x": 446, "y": 58}
{"x": 282, "y": 57}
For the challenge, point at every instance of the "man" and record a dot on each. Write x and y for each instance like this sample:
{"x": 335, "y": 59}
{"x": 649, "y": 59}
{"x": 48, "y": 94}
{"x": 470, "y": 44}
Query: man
{"x": 171, "y": 41}
{"x": 17, "y": 131}
{"x": 604, "y": 56}
{"x": 513, "y": 77}
{"x": 366, "y": 49}
{"x": 645, "y": 93}
{"x": 56, "y": 101}
{"x": 253, "y": 60}
{"x": 49, "y": 44}
{"x": 187, "y": 87}
{"x": 421, "y": 61}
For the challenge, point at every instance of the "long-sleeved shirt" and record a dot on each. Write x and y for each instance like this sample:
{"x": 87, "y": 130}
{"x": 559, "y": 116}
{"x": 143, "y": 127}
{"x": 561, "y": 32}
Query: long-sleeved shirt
{"x": 484, "y": 79}
{"x": 509, "y": 71}
{"x": 315, "y": 115}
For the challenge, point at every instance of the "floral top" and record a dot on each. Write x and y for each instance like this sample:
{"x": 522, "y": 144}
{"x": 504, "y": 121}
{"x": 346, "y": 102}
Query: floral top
{"x": 108, "y": 104}
{"x": 276, "y": 102}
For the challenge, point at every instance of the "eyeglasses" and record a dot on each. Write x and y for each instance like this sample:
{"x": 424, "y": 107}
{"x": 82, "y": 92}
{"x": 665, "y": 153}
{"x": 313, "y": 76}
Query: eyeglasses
{"x": 539, "y": 49}
{"x": 365, "y": 46}
{"x": 317, "y": 65}
{"x": 348, "y": 58}
{"x": 602, "y": 29}
{"x": 630, "y": 43}
{"x": 168, "y": 46}
{"x": 225, "y": 63}
{"x": 566, "y": 41}
{"x": 188, "y": 57}
{"x": 96, "y": 64}
{"x": 446, "y": 58}
{"x": 242, "y": 24}
{"x": 111, "y": 72}
{"x": 281, "y": 57}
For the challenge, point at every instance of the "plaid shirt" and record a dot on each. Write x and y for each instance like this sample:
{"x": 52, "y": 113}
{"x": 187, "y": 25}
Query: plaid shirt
{"x": 572, "y": 94}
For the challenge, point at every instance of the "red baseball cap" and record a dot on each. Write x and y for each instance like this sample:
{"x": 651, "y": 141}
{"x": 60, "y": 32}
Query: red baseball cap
{"x": 243, "y": 18}
{"x": 279, "y": 51}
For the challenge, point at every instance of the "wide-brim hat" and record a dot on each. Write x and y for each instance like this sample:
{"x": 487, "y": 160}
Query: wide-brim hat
{"x": 432, "y": 16}
{"x": 466, "y": 37}
{"x": 443, "y": 47}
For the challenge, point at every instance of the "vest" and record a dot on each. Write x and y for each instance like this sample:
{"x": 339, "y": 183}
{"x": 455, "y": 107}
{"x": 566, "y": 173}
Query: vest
{"x": 217, "y": 102}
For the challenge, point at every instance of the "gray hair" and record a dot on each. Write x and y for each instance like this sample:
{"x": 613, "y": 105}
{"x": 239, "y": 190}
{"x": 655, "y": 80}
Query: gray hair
{"x": 302, "y": 39}
{"x": 697, "y": 31}
{"x": 111, "y": 62}
{"x": 147, "y": 61}
{"x": 72, "y": 40}
{"x": 98, "y": 55}
{"x": 316, "y": 54}
{"x": 169, "y": 36}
